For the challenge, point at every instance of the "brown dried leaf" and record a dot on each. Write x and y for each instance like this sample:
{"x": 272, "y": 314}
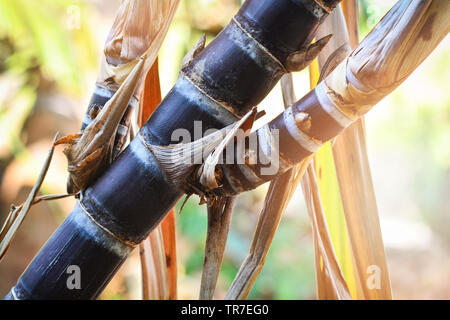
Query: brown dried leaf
{"x": 90, "y": 153}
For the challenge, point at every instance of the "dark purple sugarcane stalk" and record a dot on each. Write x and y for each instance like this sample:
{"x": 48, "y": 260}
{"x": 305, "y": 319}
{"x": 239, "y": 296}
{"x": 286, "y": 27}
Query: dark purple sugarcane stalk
{"x": 231, "y": 75}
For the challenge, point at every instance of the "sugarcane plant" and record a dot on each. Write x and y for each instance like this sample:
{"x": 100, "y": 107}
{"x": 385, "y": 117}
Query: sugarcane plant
{"x": 219, "y": 86}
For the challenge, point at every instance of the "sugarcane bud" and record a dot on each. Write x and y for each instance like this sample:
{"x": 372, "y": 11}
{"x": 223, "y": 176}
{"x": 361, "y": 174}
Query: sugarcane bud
{"x": 300, "y": 59}
{"x": 195, "y": 51}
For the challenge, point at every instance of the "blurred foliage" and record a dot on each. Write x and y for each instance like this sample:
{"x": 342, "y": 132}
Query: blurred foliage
{"x": 42, "y": 44}
{"x": 51, "y": 35}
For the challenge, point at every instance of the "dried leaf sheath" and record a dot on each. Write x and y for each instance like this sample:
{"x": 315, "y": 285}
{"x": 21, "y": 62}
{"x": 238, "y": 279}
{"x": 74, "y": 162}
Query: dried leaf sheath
{"x": 220, "y": 209}
{"x": 219, "y": 219}
{"x": 155, "y": 282}
{"x": 161, "y": 242}
{"x": 140, "y": 27}
{"x": 350, "y": 9}
{"x": 89, "y": 153}
{"x": 262, "y": 238}
{"x": 328, "y": 192}
{"x": 331, "y": 282}
{"x": 354, "y": 177}
{"x": 170, "y": 249}
{"x": 322, "y": 197}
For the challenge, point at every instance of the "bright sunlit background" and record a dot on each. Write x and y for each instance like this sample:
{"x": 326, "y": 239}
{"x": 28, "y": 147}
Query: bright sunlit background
{"x": 49, "y": 56}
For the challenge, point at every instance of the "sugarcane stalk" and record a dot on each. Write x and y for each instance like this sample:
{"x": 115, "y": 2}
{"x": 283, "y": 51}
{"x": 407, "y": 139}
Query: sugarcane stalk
{"x": 235, "y": 189}
{"x": 302, "y": 121}
{"x": 219, "y": 85}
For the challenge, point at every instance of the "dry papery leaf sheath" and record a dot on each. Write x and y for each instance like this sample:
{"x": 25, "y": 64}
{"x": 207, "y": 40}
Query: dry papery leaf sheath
{"x": 139, "y": 28}
{"x": 90, "y": 152}
{"x": 138, "y": 31}
{"x": 360, "y": 214}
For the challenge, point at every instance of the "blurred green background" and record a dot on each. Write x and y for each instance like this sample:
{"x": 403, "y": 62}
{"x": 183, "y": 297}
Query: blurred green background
{"x": 49, "y": 56}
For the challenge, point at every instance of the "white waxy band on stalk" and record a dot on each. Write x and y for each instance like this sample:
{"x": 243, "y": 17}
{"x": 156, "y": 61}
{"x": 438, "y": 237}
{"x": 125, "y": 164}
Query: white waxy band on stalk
{"x": 302, "y": 138}
{"x": 251, "y": 51}
{"x": 99, "y": 233}
{"x": 329, "y": 107}
{"x": 103, "y": 92}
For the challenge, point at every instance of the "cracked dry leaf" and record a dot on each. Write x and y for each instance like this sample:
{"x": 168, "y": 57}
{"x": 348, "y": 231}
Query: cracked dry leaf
{"x": 89, "y": 153}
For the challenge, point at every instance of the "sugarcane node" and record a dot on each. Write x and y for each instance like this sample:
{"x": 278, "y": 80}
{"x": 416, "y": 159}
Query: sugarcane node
{"x": 201, "y": 179}
{"x": 303, "y": 121}
{"x": 300, "y": 59}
